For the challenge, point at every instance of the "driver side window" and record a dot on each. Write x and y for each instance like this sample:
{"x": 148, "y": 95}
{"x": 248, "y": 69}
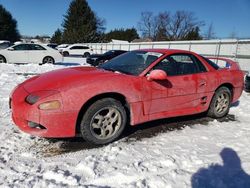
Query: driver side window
{"x": 180, "y": 64}
{"x": 167, "y": 66}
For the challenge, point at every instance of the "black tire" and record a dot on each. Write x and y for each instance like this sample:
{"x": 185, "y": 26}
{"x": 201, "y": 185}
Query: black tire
{"x": 2, "y": 59}
{"x": 65, "y": 54}
{"x": 220, "y": 104}
{"x": 247, "y": 84}
{"x": 48, "y": 60}
{"x": 103, "y": 122}
{"x": 86, "y": 54}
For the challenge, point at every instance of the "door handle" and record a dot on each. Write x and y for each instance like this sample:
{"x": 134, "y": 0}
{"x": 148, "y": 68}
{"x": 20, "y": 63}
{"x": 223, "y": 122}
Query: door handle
{"x": 202, "y": 83}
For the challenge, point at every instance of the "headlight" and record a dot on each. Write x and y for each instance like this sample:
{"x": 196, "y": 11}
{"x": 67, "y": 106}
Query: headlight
{"x": 40, "y": 95}
{"x": 51, "y": 105}
{"x": 32, "y": 99}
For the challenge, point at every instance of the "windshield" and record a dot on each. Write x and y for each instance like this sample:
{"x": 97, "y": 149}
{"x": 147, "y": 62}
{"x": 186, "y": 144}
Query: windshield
{"x": 133, "y": 63}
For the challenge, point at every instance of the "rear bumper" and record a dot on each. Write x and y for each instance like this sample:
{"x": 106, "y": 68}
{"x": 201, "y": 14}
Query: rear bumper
{"x": 54, "y": 124}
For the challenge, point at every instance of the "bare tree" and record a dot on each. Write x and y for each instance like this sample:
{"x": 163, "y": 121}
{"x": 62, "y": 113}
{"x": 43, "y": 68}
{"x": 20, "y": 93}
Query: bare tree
{"x": 162, "y": 21}
{"x": 167, "y": 27}
{"x": 181, "y": 23}
{"x": 210, "y": 34}
{"x": 233, "y": 35}
{"x": 147, "y": 25}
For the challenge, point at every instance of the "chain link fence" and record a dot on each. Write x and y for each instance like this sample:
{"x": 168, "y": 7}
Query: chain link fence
{"x": 238, "y": 50}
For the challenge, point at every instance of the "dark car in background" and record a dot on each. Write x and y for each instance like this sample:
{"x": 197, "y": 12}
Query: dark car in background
{"x": 247, "y": 83}
{"x": 5, "y": 44}
{"x": 52, "y": 45}
{"x": 97, "y": 59}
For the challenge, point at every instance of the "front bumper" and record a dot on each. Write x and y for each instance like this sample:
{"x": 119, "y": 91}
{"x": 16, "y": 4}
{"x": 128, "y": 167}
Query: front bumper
{"x": 54, "y": 124}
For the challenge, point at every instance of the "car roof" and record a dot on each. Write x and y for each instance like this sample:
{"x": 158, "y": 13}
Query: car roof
{"x": 4, "y": 41}
{"x": 77, "y": 44}
{"x": 165, "y": 51}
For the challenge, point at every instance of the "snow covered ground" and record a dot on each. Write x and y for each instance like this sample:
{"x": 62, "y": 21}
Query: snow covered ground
{"x": 179, "y": 152}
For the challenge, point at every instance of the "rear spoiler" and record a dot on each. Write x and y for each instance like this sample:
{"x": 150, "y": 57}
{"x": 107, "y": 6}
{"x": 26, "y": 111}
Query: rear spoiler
{"x": 230, "y": 64}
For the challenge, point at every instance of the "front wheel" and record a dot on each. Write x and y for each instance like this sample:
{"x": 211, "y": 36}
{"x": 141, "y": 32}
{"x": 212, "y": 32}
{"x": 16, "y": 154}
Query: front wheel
{"x": 104, "y": 121}
{"x": 220, "y": 104}
{"x": 2, "y": 59}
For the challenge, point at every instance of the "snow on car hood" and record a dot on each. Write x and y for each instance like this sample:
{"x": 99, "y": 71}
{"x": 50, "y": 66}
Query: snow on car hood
{"x": 59, "y": 79}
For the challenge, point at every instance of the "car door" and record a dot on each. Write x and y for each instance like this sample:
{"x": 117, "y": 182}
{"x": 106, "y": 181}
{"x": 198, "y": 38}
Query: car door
{"x": 179, "y": 92}
{"x": 36, "y": 53}
{"x": 18, "y": 53}
{"x": 77, "y": 50}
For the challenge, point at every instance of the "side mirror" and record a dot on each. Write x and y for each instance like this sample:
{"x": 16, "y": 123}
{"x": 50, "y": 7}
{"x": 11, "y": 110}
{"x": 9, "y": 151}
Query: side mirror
{"x": 157, "y": 75}
{"x": 11, "y": 49}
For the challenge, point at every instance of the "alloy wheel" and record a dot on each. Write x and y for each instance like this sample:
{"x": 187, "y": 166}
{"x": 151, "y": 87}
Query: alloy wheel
{"x": 222, "y": 103}
{"x": 106, "y": 122}
{"x": 48, "y": 60}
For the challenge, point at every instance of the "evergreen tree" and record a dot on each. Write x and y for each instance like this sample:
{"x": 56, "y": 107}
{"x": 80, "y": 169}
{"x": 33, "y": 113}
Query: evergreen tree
{"x": 194, "y": 34}
{"x": 8, "y": 26}
{"x": 81, "y": 24}
{"x": 57, "y": 37}
{"x": 122, "y": 34}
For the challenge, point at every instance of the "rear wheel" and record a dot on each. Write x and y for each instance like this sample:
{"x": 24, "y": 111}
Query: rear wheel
{"x": 220, "y": 103}
{"x": 2, "y": 59}
{"x": 103, "y": 121}
{"x": 49, "y": 60}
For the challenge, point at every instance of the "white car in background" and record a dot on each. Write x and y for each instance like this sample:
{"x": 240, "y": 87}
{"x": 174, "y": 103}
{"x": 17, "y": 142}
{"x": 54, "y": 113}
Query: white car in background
{"x": 77, "y": 49}
{"x": 30, "y": 53}
{"x": 61, "y": 47}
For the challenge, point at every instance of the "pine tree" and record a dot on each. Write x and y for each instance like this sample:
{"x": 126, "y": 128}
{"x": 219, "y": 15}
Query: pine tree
{"x": 122, "y": 34}
{"x": 194, "y": 34}
{"x": 81, "y": 24}
{"x": 8, "y": 26}
{"x": 57, "y": 37}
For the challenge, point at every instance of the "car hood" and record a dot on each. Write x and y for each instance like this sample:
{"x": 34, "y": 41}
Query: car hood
{"x": 65, "y": 78}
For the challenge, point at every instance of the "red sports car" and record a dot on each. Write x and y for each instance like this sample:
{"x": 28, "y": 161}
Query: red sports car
{"x": 133, "y": 88}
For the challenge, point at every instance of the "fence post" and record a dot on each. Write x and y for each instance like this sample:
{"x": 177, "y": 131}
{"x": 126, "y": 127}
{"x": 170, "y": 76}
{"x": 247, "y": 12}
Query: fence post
{"x": 236, "y": 50}
{"x": 218, "y": 51}
{"x": 190, "y": 43}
